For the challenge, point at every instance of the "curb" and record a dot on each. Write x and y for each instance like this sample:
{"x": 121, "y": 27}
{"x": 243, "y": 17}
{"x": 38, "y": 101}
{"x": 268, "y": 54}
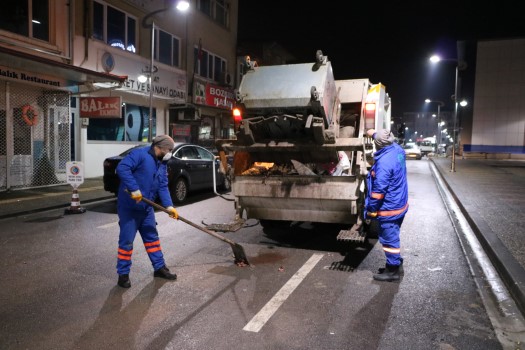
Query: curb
{"x": 52, "y": 207}
{"x": 510, "y": 271}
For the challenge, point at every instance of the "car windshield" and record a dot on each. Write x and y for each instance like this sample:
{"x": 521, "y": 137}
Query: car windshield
{"x": 409, "y": 146}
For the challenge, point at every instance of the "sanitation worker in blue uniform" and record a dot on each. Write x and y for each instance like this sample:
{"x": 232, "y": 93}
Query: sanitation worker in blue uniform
{"x": 387, "y": 199}
{"x": 143, "y": 172}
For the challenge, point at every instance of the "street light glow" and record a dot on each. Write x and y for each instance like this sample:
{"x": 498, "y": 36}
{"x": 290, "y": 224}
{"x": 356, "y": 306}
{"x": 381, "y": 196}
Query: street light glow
{"x": 435, "y": 59}
{"x": 183, "y": 5}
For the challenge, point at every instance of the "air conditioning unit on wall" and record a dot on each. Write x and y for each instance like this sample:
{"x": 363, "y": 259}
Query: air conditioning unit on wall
{"x": 226, "y": 79}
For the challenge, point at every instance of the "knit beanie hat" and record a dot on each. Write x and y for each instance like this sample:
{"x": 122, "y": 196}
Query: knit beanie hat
{"x": 383, "y": 138}
{"x": 163, "y": 141}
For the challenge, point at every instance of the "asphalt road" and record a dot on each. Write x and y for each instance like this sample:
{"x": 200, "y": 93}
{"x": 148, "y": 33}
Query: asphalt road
{"x": 304, "y": 289}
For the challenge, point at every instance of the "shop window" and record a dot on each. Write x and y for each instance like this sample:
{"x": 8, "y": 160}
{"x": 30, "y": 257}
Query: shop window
{"x": 21, "y": 134}
{"x": 134, "y": 126}
{"x": 116, "y": 28}
{"x": 15, "y": 17}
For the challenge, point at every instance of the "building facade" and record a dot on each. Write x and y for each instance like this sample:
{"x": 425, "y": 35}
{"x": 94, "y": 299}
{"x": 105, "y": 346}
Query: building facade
{"x": 497, "y": 127}
{"x": 71, "y": 85}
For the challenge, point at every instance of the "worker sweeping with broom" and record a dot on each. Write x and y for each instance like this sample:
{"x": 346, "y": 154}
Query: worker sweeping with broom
{"x": 143, "y": 172}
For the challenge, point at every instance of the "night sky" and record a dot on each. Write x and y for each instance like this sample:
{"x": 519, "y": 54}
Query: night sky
{"x": 384, "y": 41}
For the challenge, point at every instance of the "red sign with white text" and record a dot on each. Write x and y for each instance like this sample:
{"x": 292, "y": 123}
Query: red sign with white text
{"x": 101, "y": 107}
{"x": 219, "y": 97}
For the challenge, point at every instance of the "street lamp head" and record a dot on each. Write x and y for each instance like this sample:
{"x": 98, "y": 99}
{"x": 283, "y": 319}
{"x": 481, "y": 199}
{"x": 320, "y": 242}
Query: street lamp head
{"x": 142, "y": 78}
{"x": 463, "y": 103}
{"x": 435, "y": 59}
{"x": 183, "y": 5}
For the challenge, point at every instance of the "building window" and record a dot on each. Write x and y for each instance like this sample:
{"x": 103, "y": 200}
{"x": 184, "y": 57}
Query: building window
{"x": 15, "y": 17}
{"x": 167, "y": 48}
{"x": 133, "y": 127}
{"x": 217, "y": 10}
{"x": 114, "y": 27}
{"x": 209, "y": 66}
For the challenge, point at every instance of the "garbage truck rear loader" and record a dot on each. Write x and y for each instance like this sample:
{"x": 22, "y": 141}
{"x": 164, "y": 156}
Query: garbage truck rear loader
{"x": 299, "y": 153}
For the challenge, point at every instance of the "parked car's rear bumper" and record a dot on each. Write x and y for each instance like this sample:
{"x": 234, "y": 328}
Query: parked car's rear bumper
{"x": 111, "y": 182}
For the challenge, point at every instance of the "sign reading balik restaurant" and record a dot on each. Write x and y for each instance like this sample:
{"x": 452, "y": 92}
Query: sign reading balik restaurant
{"x": 101, "y": 107}
{"x": 213, "y": 95}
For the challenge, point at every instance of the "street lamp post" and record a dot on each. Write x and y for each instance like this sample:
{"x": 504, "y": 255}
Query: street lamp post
{"x": 454, "y": 124}
{"x": 462, "y": 66}
{"x": 181, "y": 5}
{"x": 440, "y": 104}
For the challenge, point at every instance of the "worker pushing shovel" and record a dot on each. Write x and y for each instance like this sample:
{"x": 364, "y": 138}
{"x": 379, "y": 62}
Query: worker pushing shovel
{"x": 143, "y": 174}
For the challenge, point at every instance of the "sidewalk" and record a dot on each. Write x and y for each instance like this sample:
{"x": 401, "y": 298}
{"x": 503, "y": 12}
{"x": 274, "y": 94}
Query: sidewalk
{"x": 491, "y": 195}
{"x": 27, "y": 201}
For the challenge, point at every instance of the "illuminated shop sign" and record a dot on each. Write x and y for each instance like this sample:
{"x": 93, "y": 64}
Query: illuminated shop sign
{"x": 100, "y": 107}
{"x": 213, "y": 95}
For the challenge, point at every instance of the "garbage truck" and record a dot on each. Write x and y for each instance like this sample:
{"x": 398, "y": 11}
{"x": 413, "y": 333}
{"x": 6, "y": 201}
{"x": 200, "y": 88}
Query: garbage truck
{"x": 301, "y": 153}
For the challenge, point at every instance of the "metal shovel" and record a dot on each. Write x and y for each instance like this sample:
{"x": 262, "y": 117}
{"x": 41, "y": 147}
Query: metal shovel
{"x": 238, "y": 250}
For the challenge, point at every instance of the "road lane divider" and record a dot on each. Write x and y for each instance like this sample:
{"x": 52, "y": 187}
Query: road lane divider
{"x": 260, "y": 319}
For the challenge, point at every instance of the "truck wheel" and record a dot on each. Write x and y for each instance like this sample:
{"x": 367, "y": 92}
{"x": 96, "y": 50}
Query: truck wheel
{"x": 179, "y": 190}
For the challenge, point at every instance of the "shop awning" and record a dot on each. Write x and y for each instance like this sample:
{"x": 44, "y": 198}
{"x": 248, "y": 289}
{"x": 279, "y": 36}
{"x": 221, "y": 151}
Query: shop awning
{"x": 73, "y": 75}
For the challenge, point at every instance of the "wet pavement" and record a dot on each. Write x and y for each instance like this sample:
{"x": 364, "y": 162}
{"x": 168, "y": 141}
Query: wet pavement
{"x": 490, "y": 193}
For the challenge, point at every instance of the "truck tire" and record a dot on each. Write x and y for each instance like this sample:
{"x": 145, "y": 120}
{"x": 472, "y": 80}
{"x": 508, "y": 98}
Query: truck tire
{"x": 179, "y": 190}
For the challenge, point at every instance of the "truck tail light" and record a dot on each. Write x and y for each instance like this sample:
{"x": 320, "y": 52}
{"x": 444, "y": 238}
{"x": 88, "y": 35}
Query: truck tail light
{"x": 370, "y": 115}
{"x": 237, "y": 118}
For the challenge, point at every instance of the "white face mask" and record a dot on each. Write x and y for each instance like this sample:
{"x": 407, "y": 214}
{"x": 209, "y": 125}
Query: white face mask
{"x": 167, "y": 157}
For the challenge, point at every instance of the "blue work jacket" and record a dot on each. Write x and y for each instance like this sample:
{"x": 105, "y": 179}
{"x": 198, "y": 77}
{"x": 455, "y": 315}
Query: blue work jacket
{"x": 387, "y": 187}
{"x": 140, "y": 169}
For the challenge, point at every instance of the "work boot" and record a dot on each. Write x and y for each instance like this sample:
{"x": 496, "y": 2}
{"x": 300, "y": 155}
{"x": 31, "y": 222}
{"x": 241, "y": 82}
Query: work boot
{"x": 165, "y": 273}
{"x": 401, "y": 270}
{"x": 123, "y": 281}
{"x": 389, "y": 274}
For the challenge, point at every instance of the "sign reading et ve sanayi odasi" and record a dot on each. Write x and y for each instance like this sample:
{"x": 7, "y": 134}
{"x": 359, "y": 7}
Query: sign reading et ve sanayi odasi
{"x": 75, "y": 173}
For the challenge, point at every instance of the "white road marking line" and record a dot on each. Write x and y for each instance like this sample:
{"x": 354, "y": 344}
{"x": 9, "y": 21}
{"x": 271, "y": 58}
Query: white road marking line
{"x": 260, "y": 319}
{"x": 110, "y": 225}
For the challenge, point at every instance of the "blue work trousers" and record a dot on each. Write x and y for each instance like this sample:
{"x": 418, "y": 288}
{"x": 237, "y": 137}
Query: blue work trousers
{"x": 131, "y": 221}
{"x": 389, "y": 238}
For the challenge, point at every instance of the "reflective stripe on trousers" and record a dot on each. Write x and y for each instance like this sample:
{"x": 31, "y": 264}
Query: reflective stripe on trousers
{"x": 389, "y": 238}
{"x": 131, "y": 221}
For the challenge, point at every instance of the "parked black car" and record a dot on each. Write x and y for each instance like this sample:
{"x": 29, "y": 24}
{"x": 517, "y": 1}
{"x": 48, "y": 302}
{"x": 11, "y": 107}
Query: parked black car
{"x": 189, "y": 169}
